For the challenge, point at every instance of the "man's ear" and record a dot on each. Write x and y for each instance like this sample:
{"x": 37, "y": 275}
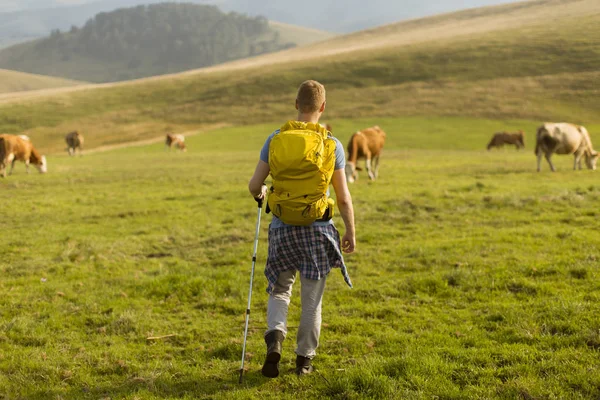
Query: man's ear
{"x": 322, "y": 109}
{"x": 296, "y": 104}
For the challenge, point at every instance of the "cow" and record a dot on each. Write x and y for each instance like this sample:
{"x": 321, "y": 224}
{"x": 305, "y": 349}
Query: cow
{"x": 74, "y": 142}
{"x": 176, "y": 140}
{"x": 501, "y": 138}
{"x": 564, "y": 138}
{"x": 366, "y": 144}
{"x": 13, "y": 148}
{"x": 327, "y": 127}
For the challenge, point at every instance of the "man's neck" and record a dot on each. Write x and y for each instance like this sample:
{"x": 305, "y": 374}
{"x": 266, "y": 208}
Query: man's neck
{"x": 314, "y": 118}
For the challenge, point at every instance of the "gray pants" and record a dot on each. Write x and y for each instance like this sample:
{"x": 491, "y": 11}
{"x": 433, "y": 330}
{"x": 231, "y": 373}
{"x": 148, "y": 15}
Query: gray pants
{"x": 311, "y": 294}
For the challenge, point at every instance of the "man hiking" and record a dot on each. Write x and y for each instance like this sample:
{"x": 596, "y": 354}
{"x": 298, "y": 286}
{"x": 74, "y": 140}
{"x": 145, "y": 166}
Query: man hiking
{"x": 303, "y": 158}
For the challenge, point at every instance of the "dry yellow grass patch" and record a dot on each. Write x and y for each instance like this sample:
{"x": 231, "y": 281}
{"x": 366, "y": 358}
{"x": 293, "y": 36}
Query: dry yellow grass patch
{"x": 14, "y": 81}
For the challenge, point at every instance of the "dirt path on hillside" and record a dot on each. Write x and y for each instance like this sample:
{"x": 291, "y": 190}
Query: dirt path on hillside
{"x": 145, "y": 142}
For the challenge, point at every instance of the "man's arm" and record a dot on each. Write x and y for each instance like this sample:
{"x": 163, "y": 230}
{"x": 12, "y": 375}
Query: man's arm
{"x": 344, "y": 201}
{"x": 257, "y": 183}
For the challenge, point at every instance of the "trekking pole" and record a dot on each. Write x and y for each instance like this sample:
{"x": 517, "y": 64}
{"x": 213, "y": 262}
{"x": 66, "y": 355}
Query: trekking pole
{"x": 260, "y": 203}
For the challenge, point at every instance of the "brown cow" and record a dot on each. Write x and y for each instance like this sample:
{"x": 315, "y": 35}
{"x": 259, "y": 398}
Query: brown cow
{"x": 501, "y": 138}
{"x": 176, "y": 140}
{"x": 13, "y": 148}
{"x": 563, "y": 138}
{"x": 74, "y": 142}
{"x": 366, "y": 144}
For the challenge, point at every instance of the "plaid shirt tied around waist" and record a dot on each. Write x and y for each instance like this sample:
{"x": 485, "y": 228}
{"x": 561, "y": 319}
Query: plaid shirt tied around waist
{"x": 311, "y": 250}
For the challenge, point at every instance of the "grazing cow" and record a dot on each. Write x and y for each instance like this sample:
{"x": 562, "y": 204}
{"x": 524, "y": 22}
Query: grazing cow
{"x": 563, "y": 138}
{"x": 501, "y": 138}
{"x": 13, "y": 148}
{"x": 74, "y": 142}
{"x": 366, "y": 144}
{"x": 176, "y": 140}
{"x": 327, "y": 127}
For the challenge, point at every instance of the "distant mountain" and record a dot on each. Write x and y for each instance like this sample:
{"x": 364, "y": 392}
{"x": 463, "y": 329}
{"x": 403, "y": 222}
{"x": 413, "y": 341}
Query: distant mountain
{"x": 145, "y": 41}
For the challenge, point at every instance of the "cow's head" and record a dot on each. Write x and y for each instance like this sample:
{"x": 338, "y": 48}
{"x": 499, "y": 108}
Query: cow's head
{"x": 522, "y": 138}
{"x": 42, "y": 166}
{"x": 351, "y": 174}
{"x": 590, "y": 159}
{"x": 180, "y": 145}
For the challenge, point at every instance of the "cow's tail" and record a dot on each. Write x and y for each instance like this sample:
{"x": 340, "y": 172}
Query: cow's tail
{"x": 353, "y": 149}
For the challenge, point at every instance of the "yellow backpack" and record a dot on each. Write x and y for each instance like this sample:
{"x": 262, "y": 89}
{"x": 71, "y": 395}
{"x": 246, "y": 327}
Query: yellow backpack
{"x": 302, "y": 161}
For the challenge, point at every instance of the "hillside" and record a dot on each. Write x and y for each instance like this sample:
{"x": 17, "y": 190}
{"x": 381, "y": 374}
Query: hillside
{"x": 145, "y": 41}
{"x": 498, "y": 62}
{"x": 13, "y": 81}
{"x": 299, "y": 35}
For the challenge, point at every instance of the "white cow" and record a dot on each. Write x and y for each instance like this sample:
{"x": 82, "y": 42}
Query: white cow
{"x": 563, "y": 138}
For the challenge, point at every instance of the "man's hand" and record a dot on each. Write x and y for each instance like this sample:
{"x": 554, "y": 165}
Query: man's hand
{"x": 262, "y": 194}
{"x": 257, "y": 186}
{"x": 348, "y": 243}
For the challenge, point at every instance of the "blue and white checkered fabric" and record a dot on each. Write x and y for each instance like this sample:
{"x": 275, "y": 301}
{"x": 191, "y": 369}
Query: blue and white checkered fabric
{"x": 311, "y": 250}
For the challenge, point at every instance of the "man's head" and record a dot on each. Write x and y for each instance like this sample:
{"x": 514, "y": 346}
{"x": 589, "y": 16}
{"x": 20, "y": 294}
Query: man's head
{"x": 310, "y": 98}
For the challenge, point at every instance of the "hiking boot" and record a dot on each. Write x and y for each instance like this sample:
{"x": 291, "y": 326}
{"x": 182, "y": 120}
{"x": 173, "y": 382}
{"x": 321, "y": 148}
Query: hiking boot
{"x": 273, "y": 340}
{"x": 303, "y": 366}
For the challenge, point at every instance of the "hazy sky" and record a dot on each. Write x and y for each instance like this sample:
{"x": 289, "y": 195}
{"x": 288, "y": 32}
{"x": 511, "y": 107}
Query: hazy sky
{"x": 11, "y": 5}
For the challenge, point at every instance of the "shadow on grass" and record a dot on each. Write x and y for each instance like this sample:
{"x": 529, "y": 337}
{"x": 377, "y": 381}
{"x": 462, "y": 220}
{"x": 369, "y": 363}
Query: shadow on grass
{"x": 202, "y": 388}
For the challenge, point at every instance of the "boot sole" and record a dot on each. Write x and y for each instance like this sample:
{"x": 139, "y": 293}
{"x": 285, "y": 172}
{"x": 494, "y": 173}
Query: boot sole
{"x": 271, "y": 367}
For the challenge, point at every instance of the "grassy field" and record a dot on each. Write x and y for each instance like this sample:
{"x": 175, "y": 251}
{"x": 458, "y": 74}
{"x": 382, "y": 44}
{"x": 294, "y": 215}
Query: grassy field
{"x": 13, "y": 81}
{"x": 475, "y": 276}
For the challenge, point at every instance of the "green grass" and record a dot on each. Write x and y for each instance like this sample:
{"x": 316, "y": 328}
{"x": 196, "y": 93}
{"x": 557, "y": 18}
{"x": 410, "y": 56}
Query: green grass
{"x": 475, "y": 276}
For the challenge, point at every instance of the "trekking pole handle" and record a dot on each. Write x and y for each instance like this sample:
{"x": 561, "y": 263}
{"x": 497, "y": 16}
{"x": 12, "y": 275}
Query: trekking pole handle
{"x": 261, "y": 199}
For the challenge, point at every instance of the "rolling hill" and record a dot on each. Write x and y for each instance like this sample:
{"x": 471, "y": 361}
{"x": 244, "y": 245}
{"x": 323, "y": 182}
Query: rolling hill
{"x": 298, "y": 34}
{"x": 13, "y": 81}
{"x": 144, "y": 41}
{"x": 497, "y": 62}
